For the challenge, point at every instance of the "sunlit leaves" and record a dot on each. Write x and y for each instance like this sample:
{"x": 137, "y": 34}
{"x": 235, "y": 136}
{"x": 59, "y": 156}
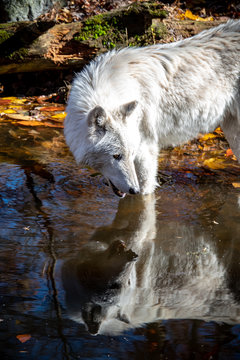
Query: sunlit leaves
{"x": 27, "y": 112}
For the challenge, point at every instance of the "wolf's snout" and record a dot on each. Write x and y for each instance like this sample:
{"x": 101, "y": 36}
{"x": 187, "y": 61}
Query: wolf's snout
{"x": 133, "y": 191}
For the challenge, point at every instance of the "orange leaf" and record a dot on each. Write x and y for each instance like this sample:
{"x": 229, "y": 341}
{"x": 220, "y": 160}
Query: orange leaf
{"x": 236, "y": 184}
{"x": 23, "y": 338}
{"x": 218, "y": 131}
{"x": 52, "y": 108}
{"x": 39, "y": 123}
{"x": 229, "y": 152}
{"x": 5, "y": 101}
{"x": 30, "y": 123}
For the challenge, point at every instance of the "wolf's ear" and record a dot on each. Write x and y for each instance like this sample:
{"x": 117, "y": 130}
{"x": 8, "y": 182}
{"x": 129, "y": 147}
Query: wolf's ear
{"x": 127, "y": 109}
{"x": 97, "y": 119}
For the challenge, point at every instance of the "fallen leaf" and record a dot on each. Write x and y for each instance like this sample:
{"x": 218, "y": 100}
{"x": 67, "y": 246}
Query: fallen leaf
{"x": 236, "y": 184}
{"x": 47, "y": 144}
{"x": 229, "y": 152}
{"x": 189, "y": 15}
{"x": 13, "y": 134}
{"x": 4, "y": 101}
{"x": 14, "y": 100}
{"x": 19, "y": 117}
{"x": 214, "y": 163}
{"x": 60, "y": 116}
{"x": 207, "y": 137}
{"x": 23, "y": 338}
{"x": 13, "y": 106}
{"x": 52, "y": 108}
{"x": 30, "y": 123}
{"x": 9, "y": 111}
{"x": 58, "y": 125}
{"x": 218, "y": 131}
{"x": 38, "y": 123}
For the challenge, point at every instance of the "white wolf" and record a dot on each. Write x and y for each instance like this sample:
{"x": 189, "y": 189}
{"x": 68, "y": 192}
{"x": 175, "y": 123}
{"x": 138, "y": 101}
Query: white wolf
{"x": 128, "y": 104}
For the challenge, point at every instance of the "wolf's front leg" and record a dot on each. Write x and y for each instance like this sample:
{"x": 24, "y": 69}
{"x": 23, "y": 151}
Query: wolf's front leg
{"x": 146, "y": 165}
{"x": 231, "y": 129}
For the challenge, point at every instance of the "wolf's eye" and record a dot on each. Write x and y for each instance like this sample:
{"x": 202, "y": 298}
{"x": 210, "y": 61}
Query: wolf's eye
{"x": 117, "y": 156}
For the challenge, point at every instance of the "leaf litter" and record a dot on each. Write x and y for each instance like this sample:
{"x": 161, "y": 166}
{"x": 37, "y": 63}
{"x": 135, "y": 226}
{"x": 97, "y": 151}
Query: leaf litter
{"x": 206, "y": 158}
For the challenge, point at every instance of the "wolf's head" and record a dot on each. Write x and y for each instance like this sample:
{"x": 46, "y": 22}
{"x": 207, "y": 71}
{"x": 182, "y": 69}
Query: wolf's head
{"x": 108, "y": 142}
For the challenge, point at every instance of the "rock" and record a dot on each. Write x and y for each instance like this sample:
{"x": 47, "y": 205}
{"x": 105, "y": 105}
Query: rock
{"x": 22, "y": 10}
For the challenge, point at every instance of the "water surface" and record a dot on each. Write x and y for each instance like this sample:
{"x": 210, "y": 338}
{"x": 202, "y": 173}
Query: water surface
{"x": 85, "y": 275}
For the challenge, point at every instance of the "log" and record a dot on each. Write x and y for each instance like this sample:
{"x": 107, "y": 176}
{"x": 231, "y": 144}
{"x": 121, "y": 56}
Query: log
{"x": 40, "y": 46}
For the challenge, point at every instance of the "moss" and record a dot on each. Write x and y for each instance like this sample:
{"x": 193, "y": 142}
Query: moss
{"x": 19, "y": 54}
{"x": 131, "y": 26}
{"x": 4, "y": 35}
{"x": 162, "y": 14}
{"x": 100, "y": 27}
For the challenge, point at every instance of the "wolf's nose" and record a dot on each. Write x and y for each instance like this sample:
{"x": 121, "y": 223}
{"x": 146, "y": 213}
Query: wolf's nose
{"x": 133, "y": 191}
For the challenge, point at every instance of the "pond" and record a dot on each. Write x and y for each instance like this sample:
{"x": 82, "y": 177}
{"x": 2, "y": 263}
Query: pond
{"x": 85, "y": 275}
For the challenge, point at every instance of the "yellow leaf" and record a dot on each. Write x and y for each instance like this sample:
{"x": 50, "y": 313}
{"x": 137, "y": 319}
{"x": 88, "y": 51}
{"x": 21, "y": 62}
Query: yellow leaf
{"x": 189, "y": 15}
{"x": 207, "y": 137}
{"x": 9, "y": 111}
{"x": 10, "y": 98}
{"x": 19, "y": 101}
{"x": 15, "y": 106}
{"x": 236, "y": 184}
{"x": 60, "y": 116}
{"x": 214, "y": 163}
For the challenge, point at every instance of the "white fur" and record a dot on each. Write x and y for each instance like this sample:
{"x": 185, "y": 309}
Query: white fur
{"x": 179, "y": 89}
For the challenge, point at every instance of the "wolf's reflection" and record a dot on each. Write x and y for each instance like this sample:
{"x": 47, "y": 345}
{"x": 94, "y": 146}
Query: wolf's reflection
{"x": 132, "y": 273}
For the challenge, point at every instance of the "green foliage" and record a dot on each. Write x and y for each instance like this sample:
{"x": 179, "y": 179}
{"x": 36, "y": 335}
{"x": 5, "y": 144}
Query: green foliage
{"x": 4, "y": 35}
{"x": 19, "y": 54}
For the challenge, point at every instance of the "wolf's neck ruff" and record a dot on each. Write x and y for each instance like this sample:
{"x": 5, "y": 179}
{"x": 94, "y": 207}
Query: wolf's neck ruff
{"x": 136, "y": 101}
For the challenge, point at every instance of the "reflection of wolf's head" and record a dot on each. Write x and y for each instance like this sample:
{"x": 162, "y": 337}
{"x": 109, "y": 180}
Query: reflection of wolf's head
{"x": 130, "y": 274}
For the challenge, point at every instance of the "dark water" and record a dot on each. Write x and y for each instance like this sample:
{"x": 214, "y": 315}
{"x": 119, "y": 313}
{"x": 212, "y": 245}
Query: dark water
{"x": 86, "y": 276}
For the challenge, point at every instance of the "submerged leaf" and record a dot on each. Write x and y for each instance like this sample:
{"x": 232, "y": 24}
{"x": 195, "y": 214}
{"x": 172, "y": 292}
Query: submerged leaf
{"x": 23, "y": 338}
{"x": 214, "y": 163}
